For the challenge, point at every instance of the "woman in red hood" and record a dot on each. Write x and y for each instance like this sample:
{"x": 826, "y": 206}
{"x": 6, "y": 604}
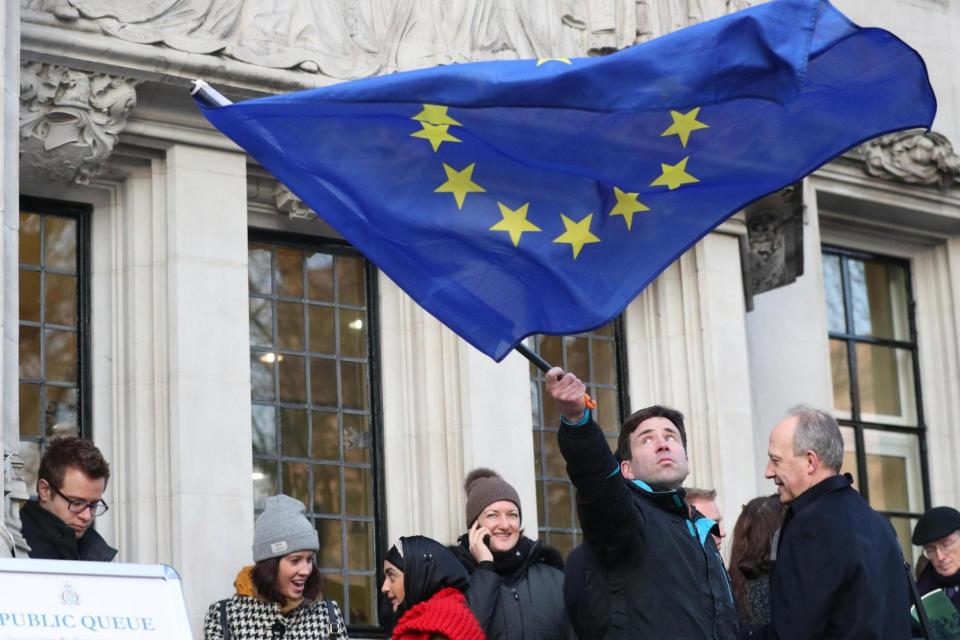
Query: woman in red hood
{"x": 425, "y": 584}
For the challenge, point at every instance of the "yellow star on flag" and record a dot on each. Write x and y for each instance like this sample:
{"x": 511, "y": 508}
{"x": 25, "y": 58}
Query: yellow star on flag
{"x": 684, "y": 124}
{"x": 435, "y": 114}
{"x": 514, "y": 222}
{"x": 627, "y": 205}
{"x": 436, "y": 134}
{"x": 674, "y": 176}
{"x": 543, "y": 61}
{"x": 459, "y": 183}
{"x": 577, "y": 234}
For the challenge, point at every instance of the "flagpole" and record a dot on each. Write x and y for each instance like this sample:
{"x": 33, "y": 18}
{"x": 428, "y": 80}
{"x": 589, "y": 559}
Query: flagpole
{"x": 207, "y": 95}
{"x": 534, "y": 358}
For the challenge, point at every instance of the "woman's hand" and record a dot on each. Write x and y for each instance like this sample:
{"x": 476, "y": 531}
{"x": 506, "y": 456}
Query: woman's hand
{"x": 478, "y": 548}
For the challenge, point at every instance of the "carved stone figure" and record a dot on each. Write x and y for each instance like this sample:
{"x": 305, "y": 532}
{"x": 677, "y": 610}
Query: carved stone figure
{"x": 914, "y": 157}
{"x": 290, "y": 204}
{"x": 774, "y": 249}
{"x": 70, "y": 120}
{"x": 11, "y": 540}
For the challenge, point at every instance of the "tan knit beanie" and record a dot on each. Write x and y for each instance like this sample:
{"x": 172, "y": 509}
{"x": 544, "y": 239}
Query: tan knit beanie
{"x": 484, "y": 487}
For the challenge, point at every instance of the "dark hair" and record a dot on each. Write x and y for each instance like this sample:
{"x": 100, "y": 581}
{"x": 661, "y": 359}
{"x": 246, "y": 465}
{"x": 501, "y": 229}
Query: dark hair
{"x": 752, "y": 545}
{"x": 72, "y": 451}
{"x": 265, "y": 580}
{"x": 632, "y": 422}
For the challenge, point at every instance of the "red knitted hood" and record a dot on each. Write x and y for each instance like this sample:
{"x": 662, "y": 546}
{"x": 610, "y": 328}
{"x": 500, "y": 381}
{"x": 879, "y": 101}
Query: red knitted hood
{"x": 445, "y": 614}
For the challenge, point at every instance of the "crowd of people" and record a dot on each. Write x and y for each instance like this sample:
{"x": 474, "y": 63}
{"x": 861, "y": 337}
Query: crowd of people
{"x": 811, "y": 561}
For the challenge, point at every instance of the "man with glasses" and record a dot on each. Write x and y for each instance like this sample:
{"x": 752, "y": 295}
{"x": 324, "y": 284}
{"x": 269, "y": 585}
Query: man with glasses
{"x": 938, "y": 532}
{"x": 58, "y": 525}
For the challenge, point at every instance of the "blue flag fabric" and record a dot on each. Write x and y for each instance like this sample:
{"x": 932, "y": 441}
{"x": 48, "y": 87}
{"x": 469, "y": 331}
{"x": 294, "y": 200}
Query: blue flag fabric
{"x": 541, "y": 196}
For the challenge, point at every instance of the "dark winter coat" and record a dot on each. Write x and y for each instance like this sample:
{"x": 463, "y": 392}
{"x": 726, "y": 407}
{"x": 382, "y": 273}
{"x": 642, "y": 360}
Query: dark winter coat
{"x": 50, "y": 538}
{"x": 930, "y": 581}
{"x": 519, "y": 596}
{"x": 650, "y": 568}
{"x": 839, "y": 571}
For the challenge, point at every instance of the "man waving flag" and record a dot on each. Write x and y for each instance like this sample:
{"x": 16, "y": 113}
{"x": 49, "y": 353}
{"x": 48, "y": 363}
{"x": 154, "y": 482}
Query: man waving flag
{"x": 541, "y": 196}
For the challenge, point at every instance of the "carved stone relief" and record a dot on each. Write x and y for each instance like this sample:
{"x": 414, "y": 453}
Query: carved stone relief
{"x": 70, "y": 120}
{"x": 774, "y": 247}
{"x": 913, "y": 157}
{"x": 16, "y": 494}
{"x": 345, "y": 39}
{"x": 290, "y": 204}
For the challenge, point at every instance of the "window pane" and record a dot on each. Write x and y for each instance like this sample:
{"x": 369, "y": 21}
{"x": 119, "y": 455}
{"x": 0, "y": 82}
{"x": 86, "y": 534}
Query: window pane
{"x": 551, "y": 348}
{"x": 350, "y": 281}
{"x": 326, "y": 489}
{"x": 29, "y": 352}
{"x": 264, "y": 429}
{"x": 290, "y": 325}
{"x": 29, "y": 296}
{"x": 261, "y": 322}
{"x": 562, "y": 542}
{"x": 322, "y": 333}
{"x": 320, "y": 277}
{"x": 296, "y": 480}
{"x": 323, "y": 382}
{"x": 61, "y": 412}
{"x": 359, "y": 488}
{"x": 353, "y": 334}
{"x": 558, "y": 497}
{"x": 840, "y": 372}
{"x": 904, "y": 527}
{"x": 293, "y": 380}
{"x": 60, "y": 243}
{"x": 61, "y": 300}
{"x": 357, "y": 439}
{"x": 261, "y": 375}
{"x": 259, "y": 271}
{"x": 893, "y": 471}
{"x": 556, "y": 466}
{"x": 30, "y": 410}
{"x": 264, "y": 482}
{"x": 850, "y": 456}
{"x": 61, "y": 348}
{"x": 326, "y": 436}
{"x": 30, "y": 239}
{"x": 289, "y": 273}
{"x": 885, "y": 377}
{"x": 331, "y": 545}
{"x": 833, "y": 284}
{"x": 608, "y": 410}
{"x": 363, "y": 591}
{"x": 604, "y": 362}
{"x": 578, "y": 357}
{"x": 354, "y": 391}
{"x": 293, "y": 432}
{"x": 360, "y": 553}
{"x": 879, "y": 294}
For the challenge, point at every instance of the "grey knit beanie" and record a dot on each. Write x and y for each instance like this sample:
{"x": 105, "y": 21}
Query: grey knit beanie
{"x": 282, "y": 529}
{"x": 484, "y": 487}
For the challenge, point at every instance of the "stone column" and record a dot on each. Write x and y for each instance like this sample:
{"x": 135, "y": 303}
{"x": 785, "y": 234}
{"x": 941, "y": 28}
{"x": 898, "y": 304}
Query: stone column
{"x": 12, "y": 488}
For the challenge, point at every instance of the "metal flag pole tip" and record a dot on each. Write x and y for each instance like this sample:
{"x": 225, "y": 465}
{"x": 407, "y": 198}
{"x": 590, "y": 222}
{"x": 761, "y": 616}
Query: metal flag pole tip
{"x": 207, "y": 95}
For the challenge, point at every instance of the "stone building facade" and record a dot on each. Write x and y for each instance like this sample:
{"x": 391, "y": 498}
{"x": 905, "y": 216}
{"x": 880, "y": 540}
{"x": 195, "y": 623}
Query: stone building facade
{"x": 166, "y": 297}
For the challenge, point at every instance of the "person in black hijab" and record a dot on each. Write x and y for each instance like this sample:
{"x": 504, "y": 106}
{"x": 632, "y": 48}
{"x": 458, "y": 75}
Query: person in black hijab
{"x": 425, "y": 585}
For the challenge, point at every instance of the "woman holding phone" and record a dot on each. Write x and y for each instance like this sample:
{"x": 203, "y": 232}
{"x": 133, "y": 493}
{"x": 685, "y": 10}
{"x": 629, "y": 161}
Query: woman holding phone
{"x": 516, "y": 584}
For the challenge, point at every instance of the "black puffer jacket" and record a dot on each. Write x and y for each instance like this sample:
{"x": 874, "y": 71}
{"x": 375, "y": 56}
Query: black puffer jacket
{"x": 648, "y": 569}
{"x": 519, "y": 596}
{"x": 50, "y": 538}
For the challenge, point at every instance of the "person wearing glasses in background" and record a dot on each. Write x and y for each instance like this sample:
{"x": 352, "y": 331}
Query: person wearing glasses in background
{"x": 938, "y": 532}
{"x": 58, "y": 525}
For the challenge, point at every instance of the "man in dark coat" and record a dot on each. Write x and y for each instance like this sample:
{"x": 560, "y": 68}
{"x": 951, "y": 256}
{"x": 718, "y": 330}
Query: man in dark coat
{"x": 938, "y": 532}
{"x": 839, "y": 571}
{"x": 649, "y": 568}
{"x": 58, "y": 525}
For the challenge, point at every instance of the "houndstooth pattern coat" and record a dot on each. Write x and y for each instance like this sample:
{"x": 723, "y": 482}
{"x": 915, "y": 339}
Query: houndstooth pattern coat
{"x": 255, "y": 619}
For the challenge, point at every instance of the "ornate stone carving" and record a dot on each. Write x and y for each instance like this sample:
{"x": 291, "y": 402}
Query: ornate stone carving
{"x": 290, "y": 204}
{"x": 914, "y": 157}
{"x": 70, "y": 120}
{"x": 15, "y": 494}
{"x": 357, "y": 38}
{"x": 774, "y": 248}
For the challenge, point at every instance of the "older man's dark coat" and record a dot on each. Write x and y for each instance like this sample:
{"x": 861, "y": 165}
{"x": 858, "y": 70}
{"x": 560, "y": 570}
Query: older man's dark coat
{"x": 839, "y": 571}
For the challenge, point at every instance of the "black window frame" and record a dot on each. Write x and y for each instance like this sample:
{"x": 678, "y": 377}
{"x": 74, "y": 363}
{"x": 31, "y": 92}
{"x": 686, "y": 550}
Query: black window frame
{"x": 335, "y": 247}
{"x": 851, "y": 339}
{"x": 81, "y": 213}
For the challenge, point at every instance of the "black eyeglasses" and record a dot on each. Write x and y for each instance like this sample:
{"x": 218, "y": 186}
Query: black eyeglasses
{"x": 76, "y": 505}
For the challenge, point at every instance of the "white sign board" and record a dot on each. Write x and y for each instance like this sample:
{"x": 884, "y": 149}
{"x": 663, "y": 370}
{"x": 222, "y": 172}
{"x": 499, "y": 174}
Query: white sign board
{"x": 60, "y": 600}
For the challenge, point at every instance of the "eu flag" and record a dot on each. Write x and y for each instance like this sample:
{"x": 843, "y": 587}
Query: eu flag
{"x": 541, "y": 196}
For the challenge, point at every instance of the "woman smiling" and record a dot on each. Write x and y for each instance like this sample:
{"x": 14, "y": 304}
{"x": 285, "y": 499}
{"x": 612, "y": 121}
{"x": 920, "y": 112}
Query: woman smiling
{"x": 278, "y": 597}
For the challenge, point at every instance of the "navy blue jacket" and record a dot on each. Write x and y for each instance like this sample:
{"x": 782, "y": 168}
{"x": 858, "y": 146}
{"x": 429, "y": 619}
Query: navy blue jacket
{"x": 839, "y": 571}
{"x": 648, "y": 569}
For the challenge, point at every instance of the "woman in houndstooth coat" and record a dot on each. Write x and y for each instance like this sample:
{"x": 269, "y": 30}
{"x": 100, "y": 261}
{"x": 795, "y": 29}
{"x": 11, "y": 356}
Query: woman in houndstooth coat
{"x": 278, "y": 597}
